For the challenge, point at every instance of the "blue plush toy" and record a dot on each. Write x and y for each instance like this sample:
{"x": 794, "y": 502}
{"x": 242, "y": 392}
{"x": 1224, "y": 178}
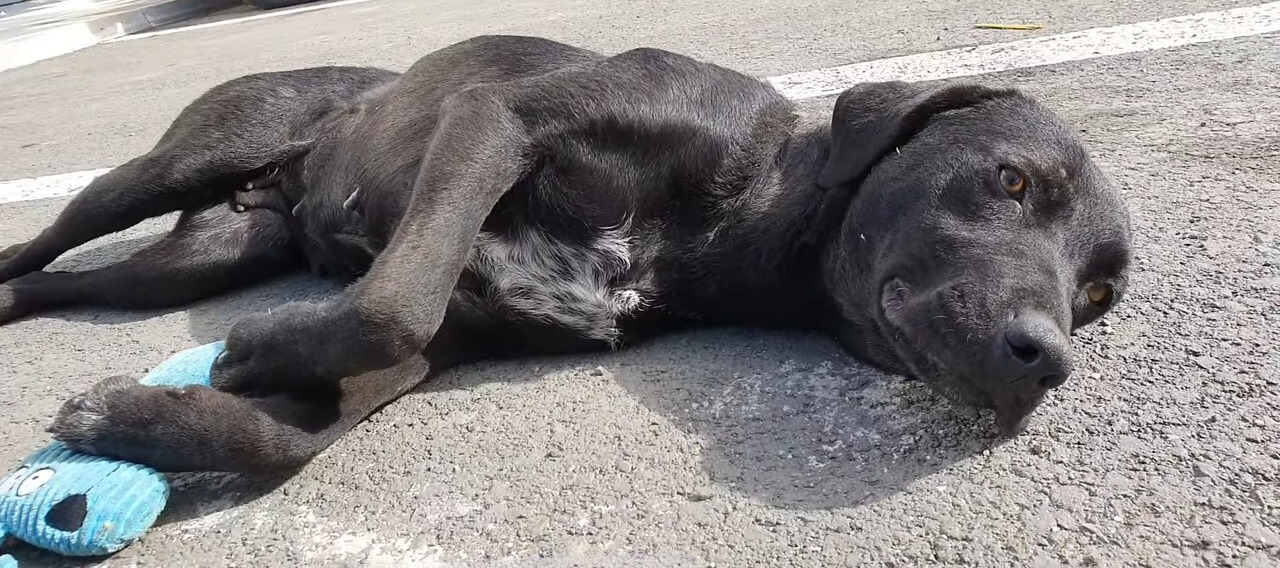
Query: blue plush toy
{"x": 81, "y": 505}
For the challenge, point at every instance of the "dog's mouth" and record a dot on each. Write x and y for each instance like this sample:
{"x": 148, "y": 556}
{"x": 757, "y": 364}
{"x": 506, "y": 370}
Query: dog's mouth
{"x": 1013, "y": 413}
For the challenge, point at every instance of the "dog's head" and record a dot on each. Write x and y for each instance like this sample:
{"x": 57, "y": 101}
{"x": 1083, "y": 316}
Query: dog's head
{"x": 980, "y": 235}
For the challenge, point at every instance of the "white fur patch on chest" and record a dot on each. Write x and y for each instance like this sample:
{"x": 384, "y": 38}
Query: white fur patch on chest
{"x": 573, "y": 286}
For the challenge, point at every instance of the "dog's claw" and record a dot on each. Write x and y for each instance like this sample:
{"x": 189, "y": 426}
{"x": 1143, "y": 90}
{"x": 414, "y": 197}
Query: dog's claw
{"x": 350, "y": 203}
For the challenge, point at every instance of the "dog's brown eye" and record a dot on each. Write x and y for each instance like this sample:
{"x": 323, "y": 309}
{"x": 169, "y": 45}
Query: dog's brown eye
{"x": 1012, "y": 181}
{"x": 1099, "y": 294}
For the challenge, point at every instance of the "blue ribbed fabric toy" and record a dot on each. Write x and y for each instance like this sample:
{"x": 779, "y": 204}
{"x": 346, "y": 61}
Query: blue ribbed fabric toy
{"x": 81, "y": 505}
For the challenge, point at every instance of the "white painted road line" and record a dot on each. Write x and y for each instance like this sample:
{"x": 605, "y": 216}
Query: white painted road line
{"x": 1040, "y": 51}
{"x": 1075, "y": 46}
{"x": 227, "y": 22}
{"x": 46, "y": 187}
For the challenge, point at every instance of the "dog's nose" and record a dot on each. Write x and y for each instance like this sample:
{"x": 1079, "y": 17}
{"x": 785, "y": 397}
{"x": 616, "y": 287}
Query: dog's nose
{"x": 1032, "y": 355}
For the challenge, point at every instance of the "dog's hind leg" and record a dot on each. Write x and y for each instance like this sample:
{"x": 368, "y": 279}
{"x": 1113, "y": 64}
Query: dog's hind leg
{"x": 209, "y": 251}
{"x": 148, "y": 186}
{"x": 229, "y": 136}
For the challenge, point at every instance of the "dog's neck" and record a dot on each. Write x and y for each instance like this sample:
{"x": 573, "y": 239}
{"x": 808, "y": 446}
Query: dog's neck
{"x": 790, "y": 223}
{"x": 818, "y": 216}
{"x": 815, "y": 216}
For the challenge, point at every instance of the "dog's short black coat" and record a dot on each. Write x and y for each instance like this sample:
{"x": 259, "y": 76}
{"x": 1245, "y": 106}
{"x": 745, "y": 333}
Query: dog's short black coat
{"x": 512, "y": 196}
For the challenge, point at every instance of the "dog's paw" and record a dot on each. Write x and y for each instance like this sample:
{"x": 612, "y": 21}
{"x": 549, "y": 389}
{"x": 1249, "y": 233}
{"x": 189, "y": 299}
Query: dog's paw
{"x": 8, "y": 271}
{"x": 274, "y": 352}
{"x": 11, "y": 251}
{"x": 86, "y": 421}
{"x": 23, "y": 295}
{"x": 271, "y": 198}
{"x": 169, "y": 428}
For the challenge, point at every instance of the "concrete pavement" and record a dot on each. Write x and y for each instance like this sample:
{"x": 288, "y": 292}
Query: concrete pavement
{"x": 733, "y": 447}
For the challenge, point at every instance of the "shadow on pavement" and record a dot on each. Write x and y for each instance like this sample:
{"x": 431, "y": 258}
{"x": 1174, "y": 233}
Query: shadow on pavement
{"x": 792, "y": 421}
{"x": 195, "y": 495}
{"x": 787, "y": 419}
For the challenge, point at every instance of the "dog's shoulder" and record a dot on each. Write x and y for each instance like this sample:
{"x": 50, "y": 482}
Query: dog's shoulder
{"x": 666, "y": 101}
{"x": 690, "y": 75}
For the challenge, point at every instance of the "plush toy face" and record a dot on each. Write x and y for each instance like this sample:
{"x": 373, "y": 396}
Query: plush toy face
{"x": 66, "y": 514}
{"x": 82, "y": 505}
{"x": 25, "y": 482}
{"x": 77, "y": 504}
{"x": 63, "y": 506}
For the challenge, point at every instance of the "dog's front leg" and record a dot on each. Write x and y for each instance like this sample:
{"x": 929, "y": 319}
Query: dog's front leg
{"x": 478, "y": 152}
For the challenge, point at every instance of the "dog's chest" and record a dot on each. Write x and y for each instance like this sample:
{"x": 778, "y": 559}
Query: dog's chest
{"x": 577, "y": 286}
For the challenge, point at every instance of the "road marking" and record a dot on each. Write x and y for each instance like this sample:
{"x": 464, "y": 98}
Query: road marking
{"x": 47, "y": 187}
{"x": 1035, "y": 52}
{"x": 1038, "y": 52}
{"x": 228, "y": 22}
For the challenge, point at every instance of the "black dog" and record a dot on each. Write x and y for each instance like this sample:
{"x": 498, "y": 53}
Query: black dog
{"x": 513, "y": 196}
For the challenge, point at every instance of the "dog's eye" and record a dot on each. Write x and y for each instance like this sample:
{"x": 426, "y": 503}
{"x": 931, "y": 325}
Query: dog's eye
{"x": 1099, "y": 294}
{"x": 1013, "y": 182}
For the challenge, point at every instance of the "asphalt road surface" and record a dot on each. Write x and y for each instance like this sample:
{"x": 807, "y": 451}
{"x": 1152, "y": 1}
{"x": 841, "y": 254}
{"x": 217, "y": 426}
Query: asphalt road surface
{"x": 730, "y": 447}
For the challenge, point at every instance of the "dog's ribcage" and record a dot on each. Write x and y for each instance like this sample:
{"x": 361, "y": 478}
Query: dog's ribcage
{"x": 568, "y": 285}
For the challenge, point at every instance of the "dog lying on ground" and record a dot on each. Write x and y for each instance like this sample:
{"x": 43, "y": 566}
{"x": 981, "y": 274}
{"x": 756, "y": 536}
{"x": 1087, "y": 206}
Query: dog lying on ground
{"x": 513, "y": 196}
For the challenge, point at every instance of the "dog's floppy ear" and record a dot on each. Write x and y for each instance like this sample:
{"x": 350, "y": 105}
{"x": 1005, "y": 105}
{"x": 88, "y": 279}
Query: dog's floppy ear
{"x": 871, "y": 119}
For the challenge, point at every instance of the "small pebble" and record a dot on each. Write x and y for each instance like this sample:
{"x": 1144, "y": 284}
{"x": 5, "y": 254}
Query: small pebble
{"x": 953, "y": 530}
{"x": 1067, "y": 522}
{"x": 700, "y": 494}
{"x": 1206, "y": 363}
